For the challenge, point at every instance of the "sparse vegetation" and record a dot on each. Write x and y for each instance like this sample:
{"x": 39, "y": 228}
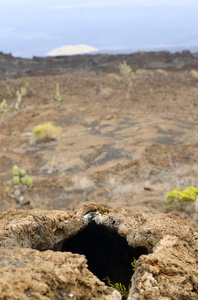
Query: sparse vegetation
{"x": 4, "y": 107}
{"x": 57, "y": 95}
{"x": 133, "y": 263}
{"x": 127, "y": 76}
{"x": 12, "y": 110}
{"x": 177, "y": 197}
{"x": 10, "y": 91}
{"x": 23, "y": 90}
{"x": 124, "y": 291}
{"x": 45, "y": 133}
{"x": 18, "y": 185}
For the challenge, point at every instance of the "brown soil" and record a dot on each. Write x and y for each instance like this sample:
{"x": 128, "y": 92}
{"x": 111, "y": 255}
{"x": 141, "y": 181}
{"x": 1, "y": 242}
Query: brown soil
{"x": 113, "y": 151}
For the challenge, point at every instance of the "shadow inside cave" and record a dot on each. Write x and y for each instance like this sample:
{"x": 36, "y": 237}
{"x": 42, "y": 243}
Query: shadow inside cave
{"x": 109, "y": 255}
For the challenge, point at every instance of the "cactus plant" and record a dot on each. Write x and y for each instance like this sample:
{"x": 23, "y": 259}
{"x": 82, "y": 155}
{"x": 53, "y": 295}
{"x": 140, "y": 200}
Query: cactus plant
{"x": 12, "y": 110}
{"x": 18, "y": 185}
{"x": 127, "y": 76}
{"x": 28, "y": 181}
{"x": 15, "y": 170}
{"x": 10, "y": 91}
{"x": 22, "y": 173}
{"x": 23, "y": 91}
{"x": 4, "y": 107}
{"x": 7, "y": 191}
{"x": 23, "y": 180}
{"x": 16, "y": 180}
{"x": 57, "y": 95}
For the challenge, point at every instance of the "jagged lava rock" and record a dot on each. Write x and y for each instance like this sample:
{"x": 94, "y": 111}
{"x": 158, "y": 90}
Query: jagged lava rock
{"x": 37, "y": 263}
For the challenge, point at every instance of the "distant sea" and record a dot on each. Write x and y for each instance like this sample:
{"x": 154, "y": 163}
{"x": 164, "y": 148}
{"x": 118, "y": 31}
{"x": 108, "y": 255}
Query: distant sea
{"x": 35, "y": 27}
{"x": 192, "y": 49}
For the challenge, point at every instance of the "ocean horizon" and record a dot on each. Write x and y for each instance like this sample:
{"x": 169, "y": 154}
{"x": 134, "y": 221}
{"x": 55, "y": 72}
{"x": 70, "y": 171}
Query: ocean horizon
{"x": 33, "y": 28}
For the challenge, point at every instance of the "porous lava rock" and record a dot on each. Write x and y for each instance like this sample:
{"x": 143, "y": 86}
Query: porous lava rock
{"x": 75, "y": 254}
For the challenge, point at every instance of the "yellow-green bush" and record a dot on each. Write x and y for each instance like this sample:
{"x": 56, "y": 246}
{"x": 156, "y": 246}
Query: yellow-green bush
{"x": 178, "y": 197}
{"x": 46, "y": 132}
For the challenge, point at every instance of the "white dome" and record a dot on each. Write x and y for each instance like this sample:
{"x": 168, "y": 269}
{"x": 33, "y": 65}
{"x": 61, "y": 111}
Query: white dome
{"x": 72, "y": 50}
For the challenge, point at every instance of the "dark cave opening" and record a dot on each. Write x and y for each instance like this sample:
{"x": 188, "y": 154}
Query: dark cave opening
{"x": 109, "y": 255}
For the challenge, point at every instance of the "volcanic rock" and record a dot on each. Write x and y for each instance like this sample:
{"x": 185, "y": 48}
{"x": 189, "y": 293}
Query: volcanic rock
{"x": 42, "y": 254}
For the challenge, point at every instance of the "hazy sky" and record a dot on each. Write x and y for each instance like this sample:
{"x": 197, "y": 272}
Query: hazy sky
{"x": 35, "y": 27}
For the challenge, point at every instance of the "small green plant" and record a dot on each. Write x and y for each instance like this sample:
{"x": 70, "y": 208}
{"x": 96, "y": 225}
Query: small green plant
{"x": 20, "y": 177}
{"x": 18, "y": 185}
{"x": 4, "y": 111}
{"x": 124, "y": 291}
{"x": 133, "y": 263}
{"x": 45, "y": 133}
{"x": 23, "y": 90}
{"x": 27, "y": 85}
{"x": 15, "y": 170}
{"x": 7, "y": 191}
{"x": 10, "y": 111}
{"x": 4, "y": 107}
{"x": 121, "y": 288}
{"x": 177, "y": 197}
{"x": 57, "y": 95}
{"x": 10, "y": 91}
{"x": 127, "y": 76}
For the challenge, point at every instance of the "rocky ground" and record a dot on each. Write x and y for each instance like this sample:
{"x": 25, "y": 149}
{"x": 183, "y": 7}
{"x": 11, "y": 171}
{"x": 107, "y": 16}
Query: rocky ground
{"x": 118, "y": 152}
{"x": 113, "y": 150}
{"x": 36, "y": 262}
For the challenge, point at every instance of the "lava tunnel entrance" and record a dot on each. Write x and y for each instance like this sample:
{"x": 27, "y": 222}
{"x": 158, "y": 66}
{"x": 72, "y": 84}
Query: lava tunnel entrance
{"x": 109, "y": 255}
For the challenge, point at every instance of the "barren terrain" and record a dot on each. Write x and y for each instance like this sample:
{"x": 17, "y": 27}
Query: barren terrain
{"x": 113, "y": 151}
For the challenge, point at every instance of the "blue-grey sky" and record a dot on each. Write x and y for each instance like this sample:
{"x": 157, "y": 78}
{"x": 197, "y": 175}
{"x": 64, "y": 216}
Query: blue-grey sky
{"x": 35, "y": 27}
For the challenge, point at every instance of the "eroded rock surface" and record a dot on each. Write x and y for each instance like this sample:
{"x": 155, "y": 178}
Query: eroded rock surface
{"x": 35, "y": 264}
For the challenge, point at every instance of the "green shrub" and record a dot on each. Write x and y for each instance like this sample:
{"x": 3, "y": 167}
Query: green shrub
{"x": 57, "y": 95}
{"x": 10, "y": 91}
{"x": 4, "y": 107}
{"x": 45, "y": 133}
{"x": 177, "y": 197}
{"x": 188, "y": 194}
{"x": 12, "y": 110}
{"x": 23, "y": 91}
{"x": 127, "y": 76}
